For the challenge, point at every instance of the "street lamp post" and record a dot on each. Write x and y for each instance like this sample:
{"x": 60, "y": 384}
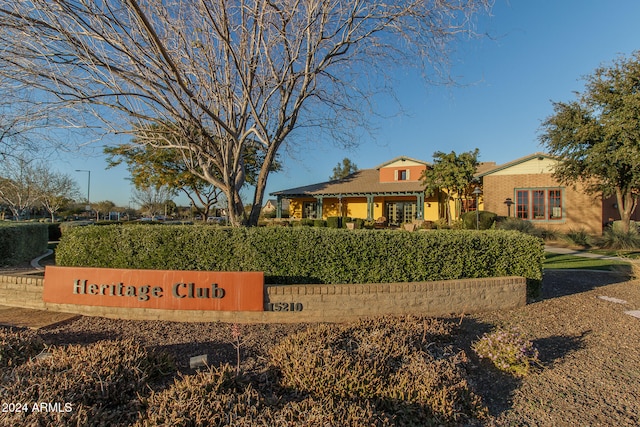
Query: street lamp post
{"x": 88, "y": 186}
{"x": 477, "y": 191}
{"x": 509, "y": 203}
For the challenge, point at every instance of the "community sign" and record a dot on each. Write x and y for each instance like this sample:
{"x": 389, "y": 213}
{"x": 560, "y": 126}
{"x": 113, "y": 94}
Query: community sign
{"x": 158, "y": 289}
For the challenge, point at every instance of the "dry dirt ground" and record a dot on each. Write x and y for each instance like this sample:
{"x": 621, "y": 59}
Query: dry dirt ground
{"x": 589, "y": 348}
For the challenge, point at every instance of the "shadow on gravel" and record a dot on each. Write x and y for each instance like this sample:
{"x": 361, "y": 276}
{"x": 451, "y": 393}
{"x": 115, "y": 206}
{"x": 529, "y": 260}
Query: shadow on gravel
{"x": 495, "y": 387}
{"x": 492, "y": 385}
{"x": 70, "y": 338}
{"x": 558, "y": 346}
{"x": 559, "y": 283}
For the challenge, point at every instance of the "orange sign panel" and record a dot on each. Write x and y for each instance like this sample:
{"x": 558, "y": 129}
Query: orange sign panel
{"x": 162, "y": 289}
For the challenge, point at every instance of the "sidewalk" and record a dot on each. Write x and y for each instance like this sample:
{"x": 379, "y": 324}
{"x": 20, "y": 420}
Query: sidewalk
{"x": 574, "y": 252}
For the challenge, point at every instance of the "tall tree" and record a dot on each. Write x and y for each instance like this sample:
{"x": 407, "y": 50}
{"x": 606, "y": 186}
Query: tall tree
{"x": 597, "y": 136}
{"x": 344, "y": 169}
{"x": 229, "y": 74}
{"x": 150, "y": 165}
{"x": 451, "y": 175}
{"x": 155, "y": 167}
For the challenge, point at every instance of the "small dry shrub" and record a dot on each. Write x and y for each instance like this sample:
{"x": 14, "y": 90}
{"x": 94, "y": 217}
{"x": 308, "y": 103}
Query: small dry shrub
{"x": 99, "y": 383}
{"x": 217, "y": 397}
{"x": 508, "y": 350}
{"x": 321, "y": 412}
{"x": 404, "y": 366}
{"x": 211, "y": 397}
{"x": 17, "y": 346}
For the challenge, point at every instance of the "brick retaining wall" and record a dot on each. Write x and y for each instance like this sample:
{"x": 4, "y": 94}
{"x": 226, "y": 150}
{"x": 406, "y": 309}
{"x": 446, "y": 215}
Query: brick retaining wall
{"x": 315, "y": 303}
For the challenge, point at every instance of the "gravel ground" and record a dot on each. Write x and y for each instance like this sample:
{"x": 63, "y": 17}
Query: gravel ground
{"x": 589, "y": 348}
{"x": 590, "y": 351}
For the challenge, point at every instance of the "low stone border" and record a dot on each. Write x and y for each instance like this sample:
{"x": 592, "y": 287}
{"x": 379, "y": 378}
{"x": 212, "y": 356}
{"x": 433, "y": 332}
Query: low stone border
{"x": 309, "y": 303}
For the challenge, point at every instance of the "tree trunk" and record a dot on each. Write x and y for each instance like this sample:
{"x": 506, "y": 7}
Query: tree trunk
{"x": 626, "y": 207}
{"x": 448, "y": 209}
{"x": 235, "y": 208}
{"x": 261, "y": 184}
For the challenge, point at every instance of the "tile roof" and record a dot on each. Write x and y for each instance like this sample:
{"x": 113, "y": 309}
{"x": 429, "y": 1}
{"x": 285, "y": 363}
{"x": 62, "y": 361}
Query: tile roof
{"x": 362, "y": 182}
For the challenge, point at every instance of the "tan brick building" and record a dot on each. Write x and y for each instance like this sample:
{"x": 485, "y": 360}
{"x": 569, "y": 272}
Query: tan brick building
{"x": 524, "y": 188}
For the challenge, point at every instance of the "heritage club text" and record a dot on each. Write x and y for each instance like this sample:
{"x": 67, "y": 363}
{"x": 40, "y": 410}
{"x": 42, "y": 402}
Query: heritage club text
{"x": 144, "y": 293}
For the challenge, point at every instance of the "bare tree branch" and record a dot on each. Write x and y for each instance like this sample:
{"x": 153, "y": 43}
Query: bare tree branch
{"x": 229, "y": 74}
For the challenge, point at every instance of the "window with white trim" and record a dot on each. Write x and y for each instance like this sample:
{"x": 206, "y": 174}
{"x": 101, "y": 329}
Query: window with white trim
{"x": 401, "y": 174}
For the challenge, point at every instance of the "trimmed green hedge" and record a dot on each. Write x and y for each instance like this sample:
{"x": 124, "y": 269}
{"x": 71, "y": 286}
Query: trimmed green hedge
{"x": 308, "y": 254}
{"x": 20, "y": 242}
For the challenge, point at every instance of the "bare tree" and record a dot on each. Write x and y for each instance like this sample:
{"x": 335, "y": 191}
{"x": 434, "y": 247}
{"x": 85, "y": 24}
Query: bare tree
{"x": 231, "y": 74}
{"x": 152, "y": 199}
{"x": 18, "y": 189}
{"x": 32, "y": 123}
{"x": 55, "y": 189}
{"x": 104, "y": 207}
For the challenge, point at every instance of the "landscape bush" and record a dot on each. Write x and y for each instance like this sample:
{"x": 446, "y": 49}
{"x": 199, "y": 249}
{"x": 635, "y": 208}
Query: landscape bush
{"x": 381, "y": 371}
{"x": 369, "y": 224}
{"x": 20, "y": 242}
{"x": 486, "y": 220}
{"x": 308, "y": 254}
{"x": 516, "y": 224}
{"x": 508, "y": 350}
{"x": 579, "y": 237}
{"x": 235, "y": 401}
{"x": 614, "y": 238}
{"x": 334, "y": 222}
{"x": 524, "y": 226}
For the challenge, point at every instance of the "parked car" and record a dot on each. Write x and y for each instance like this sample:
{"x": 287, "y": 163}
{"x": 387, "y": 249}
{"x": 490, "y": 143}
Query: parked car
{"x": 217, "y": 219}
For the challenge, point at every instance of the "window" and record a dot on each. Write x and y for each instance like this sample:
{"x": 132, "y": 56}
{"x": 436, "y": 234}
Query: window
{"x": 555, "y": 204}
{"x": 309, "y": 209}
{"x": 469, "y": 205}
{"x": 401, "y": 174}
{"x": 539, "y": 204}
{"x": 522, "y": 204}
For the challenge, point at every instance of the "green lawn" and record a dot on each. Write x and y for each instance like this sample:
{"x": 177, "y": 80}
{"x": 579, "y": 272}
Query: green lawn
{"x": 560, "y": 261}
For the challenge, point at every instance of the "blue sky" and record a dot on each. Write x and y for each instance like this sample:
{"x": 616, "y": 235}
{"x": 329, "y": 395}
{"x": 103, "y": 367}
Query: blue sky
{"x": 538, "y": 52}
